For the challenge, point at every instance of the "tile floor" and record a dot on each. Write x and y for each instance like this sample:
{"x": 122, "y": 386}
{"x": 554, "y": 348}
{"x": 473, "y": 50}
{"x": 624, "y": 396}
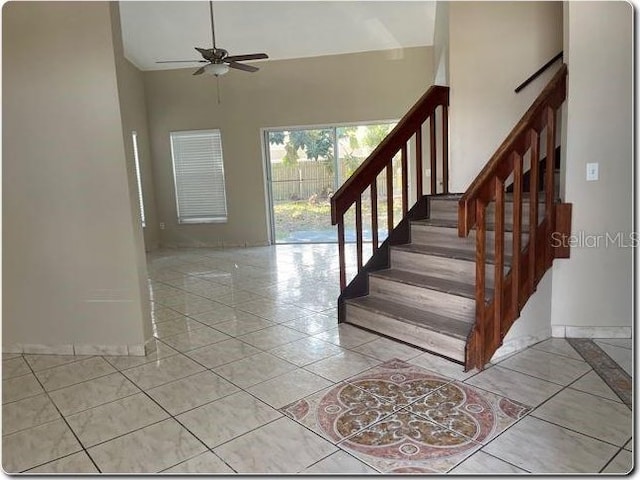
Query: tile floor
{"x": 251, "y": 374}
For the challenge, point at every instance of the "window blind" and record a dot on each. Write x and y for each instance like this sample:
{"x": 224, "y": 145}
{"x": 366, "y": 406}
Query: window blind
{"x": 198, "y": 171}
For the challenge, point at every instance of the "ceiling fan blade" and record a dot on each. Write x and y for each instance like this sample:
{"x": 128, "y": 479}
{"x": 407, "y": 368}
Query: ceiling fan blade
{"x": 200, "y": 71}
{"x": 248, "y": 56}
{"x": 182, "y": 61}
{"x": 242, "y": 66}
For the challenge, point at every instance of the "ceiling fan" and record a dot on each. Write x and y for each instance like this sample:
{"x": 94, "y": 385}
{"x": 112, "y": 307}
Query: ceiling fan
{"x": 218, "y": 60}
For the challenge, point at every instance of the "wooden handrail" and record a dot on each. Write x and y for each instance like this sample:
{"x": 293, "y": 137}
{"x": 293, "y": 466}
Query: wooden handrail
{"x": 538, "y": 72}
{"x": 395, "y": 143}
{"x": 530, "y": 257}
{"x": 518, "y": 140}
{"x": 364, "y": 175}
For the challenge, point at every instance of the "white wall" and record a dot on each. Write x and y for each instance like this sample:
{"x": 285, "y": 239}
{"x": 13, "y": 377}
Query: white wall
{"x": 594, "y": 287}
{"x": 441, "y": 44}
{"x": 70, "y": 256}
{"x": 493, "y": 47}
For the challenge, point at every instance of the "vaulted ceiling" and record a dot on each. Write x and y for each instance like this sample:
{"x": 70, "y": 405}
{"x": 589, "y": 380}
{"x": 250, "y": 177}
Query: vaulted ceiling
{"x": 166, "y": 30}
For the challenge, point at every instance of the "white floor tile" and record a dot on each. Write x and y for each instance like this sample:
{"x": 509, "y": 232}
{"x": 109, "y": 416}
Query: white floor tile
{"x": 190, "y": 392}
{"x": 149, "y": 450}
{"x": 27, "y": 413}
{"x": 72, "y": 373}
{"x": 116, "y": 418}
{"x": 255, "y": 369}
{"x": 206, "y": 462}
{"x": 595, "y": 416}
{"x": 220, "y": 421}
{"x": 547, "y": 366}
{"x": 17, "y": 388}
{"x": 481, "y": 463}
{"x": 621, "y": 463}
{"x": 92, "y": 393}
{"x": 269, "y": 449}
{"x": 340, "y": 462}
{"x": 523, "y": 388}
{"x": 72, "y": 464}
{"x": 221, "y": 353}
{"x": 592, "y": 383}
{"x": 550, "y": 448}
{"x": 285, "y": 389}
{"x": 162, "y": 371}
{"x": 341, "y": 366}
{"x": 29, "y": 448}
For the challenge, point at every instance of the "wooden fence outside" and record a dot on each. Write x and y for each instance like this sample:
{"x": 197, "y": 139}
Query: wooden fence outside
{"x": 308, "y": 178}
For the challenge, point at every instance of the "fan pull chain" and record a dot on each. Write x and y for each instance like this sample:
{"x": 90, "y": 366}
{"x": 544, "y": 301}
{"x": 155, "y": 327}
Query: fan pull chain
{"x": 218, "y": 87}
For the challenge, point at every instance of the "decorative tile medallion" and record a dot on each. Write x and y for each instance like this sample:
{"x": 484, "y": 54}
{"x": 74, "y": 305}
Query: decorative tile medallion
{"x": 339, "y": 411}
{"x": 399, "y": 382}
{"x": 474, "y": 413}
{"x": 407, "y": 443}
{"x": 400, "y": 418}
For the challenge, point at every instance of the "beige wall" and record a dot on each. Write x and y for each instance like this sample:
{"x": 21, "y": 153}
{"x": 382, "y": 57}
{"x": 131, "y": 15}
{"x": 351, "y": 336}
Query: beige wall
{"x": 493, "y": 47}
{"x": 322, "y": 90}
{"x": 133, "y": 108}
{"x": 594, "y": 287}
{"x": 70, "y": 260}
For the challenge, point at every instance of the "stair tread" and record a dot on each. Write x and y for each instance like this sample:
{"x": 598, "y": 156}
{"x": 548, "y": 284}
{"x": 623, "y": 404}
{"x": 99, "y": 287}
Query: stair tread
{"x": 453, "y": 287}
{"x": 434, "y": 222}
{"x": 457, "y": 253}
{"x": 508, "y": 196}
{"x": 437, "y": 323}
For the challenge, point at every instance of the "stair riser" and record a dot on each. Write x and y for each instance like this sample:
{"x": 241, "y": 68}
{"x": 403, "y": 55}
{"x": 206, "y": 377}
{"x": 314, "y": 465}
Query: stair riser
{"x": 445, "y": 304}
{"x": 448, "y": 210}
{"x": 450, "y": 347}
{"x": 462, "y": 270}
{"x": 445, "y": 237}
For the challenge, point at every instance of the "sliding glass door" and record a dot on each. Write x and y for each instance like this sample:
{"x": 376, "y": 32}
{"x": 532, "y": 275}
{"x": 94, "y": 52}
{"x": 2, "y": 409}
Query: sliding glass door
{"x": 305, "y": 166}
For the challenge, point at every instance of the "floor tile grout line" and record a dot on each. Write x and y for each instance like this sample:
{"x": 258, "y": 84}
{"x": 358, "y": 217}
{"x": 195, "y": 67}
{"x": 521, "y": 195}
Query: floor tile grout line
{"x": 86, "y": 357}
{"x": 170, "y": 417}
{"x": 68, "y": 426}
{"x": 540, "y": 378}
{"x": 611, "y": 460}
{"x": 86, "y": 409}
{"x": 533, "y": 410}
{"x": 83, "y": 381}
{"x": 576, "y": 431}
{"x": 532, "y": 407}
{"x": 505, "y": 461}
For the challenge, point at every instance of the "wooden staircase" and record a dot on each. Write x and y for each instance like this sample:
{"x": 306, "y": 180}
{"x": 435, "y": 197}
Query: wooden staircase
{"x": 434, "y": 283}
{"x": 427, "y": 296}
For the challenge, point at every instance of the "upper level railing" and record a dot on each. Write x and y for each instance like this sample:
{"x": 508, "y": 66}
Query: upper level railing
{"x": 538, "y": 72}
{"x": 366, "y": 175}
{"x": 497, "y": 308}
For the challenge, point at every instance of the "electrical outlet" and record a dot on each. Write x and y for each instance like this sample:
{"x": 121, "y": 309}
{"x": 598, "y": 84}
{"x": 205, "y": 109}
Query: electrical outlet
{"x": 161, "y": 225}
{"x": 592, "y": 172}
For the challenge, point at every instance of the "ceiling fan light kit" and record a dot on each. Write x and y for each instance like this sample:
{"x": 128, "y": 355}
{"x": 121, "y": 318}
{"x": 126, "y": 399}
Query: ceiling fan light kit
{"x": 216, "y": 69}
{"x": 218, "y": 60}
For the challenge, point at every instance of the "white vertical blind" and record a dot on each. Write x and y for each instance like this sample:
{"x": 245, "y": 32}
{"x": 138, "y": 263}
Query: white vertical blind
{"x": 198, "y": 172}
{"x": 136, "y": 157}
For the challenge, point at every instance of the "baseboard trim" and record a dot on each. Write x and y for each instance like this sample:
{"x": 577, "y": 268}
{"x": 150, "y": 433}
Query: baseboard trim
{"x": 80, "y": 349}
{"x": 518, "y": 344}
{"x": 569, "y": 331}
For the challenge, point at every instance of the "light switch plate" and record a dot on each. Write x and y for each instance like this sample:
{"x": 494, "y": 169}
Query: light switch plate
{"x": 592, "y": 172}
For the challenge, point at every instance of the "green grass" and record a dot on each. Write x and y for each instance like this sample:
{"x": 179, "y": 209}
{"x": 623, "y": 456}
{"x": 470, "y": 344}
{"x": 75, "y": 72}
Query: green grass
{"x": 304, "y": 215}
